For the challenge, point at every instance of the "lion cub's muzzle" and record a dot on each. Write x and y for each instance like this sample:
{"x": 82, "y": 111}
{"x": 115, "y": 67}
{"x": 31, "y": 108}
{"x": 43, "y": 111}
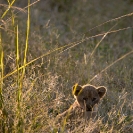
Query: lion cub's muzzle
{"x": 88, "y": 108}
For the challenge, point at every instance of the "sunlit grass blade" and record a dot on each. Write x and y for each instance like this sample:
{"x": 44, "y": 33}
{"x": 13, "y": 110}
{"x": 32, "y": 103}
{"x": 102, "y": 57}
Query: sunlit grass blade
{"x": 9, "y": 6}
{"x": 1, "y": 73}
{"x": 3, "y": 113}
{"x": 102, "y": 40}
{"x": 27, "y": 39}
{"x": 116, "y": 61}
{"x": 18, "y": 126}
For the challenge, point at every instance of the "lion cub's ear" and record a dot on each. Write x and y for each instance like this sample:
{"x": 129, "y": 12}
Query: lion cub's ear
{"x": 101, "y": 91}
{"x": 76, "y": 89}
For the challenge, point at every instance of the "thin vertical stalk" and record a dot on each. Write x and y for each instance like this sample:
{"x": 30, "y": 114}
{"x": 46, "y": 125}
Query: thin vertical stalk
{"x": 2, "y": 106}
{"x": 19, "y": 127}
{"x": 1, "y": 73}
{"x": 18, "y": 79}
{"x": 2, "y": 125}
{"x": 27, "y": 38}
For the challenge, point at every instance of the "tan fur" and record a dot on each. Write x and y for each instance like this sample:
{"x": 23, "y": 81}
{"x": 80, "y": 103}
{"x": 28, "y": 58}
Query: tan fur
{"x": 86, "y": 103}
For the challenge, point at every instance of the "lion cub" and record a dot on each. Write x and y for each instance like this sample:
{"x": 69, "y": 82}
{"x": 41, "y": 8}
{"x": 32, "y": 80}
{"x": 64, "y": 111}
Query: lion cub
{"x": 86, "y": 103}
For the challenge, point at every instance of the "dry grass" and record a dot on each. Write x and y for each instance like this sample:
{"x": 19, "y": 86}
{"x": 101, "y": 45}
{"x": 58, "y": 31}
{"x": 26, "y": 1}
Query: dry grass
{"x": 48, "y": 46}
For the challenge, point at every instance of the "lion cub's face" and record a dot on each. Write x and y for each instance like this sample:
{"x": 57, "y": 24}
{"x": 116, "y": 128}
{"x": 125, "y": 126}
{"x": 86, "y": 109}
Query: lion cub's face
{"x": 88, "y": 96}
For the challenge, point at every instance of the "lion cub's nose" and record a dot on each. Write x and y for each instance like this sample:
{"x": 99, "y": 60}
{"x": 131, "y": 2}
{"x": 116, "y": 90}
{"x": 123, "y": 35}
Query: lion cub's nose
{"x": 89, "y": 108}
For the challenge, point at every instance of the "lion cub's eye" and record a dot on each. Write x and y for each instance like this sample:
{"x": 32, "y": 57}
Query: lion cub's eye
{"x": 85, "y": 99}
{"x": 94, "y": 99}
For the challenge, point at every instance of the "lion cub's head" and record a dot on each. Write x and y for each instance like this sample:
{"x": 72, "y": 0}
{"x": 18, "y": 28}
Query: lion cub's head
{"x": 88, "y": 96}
